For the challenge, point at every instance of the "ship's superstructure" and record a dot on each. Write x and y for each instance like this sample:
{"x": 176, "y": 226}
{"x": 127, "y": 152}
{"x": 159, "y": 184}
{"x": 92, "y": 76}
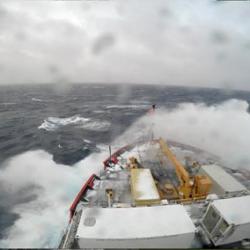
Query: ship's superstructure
{"x": 158, "y": 194}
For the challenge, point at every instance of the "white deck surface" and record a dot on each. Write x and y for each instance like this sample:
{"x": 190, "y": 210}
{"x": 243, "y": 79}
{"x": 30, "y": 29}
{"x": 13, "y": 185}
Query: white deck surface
{"x": 145, "y": 186}
{"x": 134, "y": 223}
{"x": 234, "y": 210}
{"x": 223, "y": 179}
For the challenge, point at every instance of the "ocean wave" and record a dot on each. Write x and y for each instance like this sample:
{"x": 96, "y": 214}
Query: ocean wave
{"x": 132, "y": 106}
{"x": 7, "y": 103}
{"x": 53, "y": 123}
{"x": 37, "y": 100}
{"x": 41, "y": 220}
{"x": 87, "y": 141}
{"x": 101, "y": 111}
{"x": 140, "y": 102}
{"x": 34, "y": 99}
{"x": 97, "y": 126}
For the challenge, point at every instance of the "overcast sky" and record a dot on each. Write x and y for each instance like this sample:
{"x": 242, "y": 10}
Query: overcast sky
{"x": 189, "y": 43}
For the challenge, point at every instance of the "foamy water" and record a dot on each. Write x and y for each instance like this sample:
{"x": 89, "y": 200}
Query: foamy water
{"x": 53, "y": 123}
{"x": 43, "y": 219}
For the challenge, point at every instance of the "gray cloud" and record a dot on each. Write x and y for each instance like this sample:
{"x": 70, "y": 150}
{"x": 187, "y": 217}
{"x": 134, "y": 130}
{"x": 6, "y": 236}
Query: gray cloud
{"x": 219, "y": 37}
{"x": 169, "y": 42}
{"x": 2, "y": 12}
{"x": 102, "y": 43}
{"x": 247, "y": 45}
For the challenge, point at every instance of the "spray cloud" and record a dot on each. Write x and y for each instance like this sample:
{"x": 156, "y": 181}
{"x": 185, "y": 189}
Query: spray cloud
{"x": 222, "y": 129}
{"x": 43, "y": 218}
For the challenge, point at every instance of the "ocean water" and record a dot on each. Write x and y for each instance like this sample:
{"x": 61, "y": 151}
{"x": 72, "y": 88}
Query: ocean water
{"x": 50, "y": 128}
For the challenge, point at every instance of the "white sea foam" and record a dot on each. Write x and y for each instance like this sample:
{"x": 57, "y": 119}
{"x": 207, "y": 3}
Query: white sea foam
{"x": 141, "y": 102}
{"x": 7, "y": 103}
{"x": 37, "y": 100}
{"x": 42, "y": 220}
{"x": 87, "y": 141}
{"x": 101, "y": 111}
{"x": 96, "y": 125}
{"x": 103, "y": 147}
{"x": 53, "y": 123}
{"x": 132, "y": 106}
{"x": 222, "y": 129}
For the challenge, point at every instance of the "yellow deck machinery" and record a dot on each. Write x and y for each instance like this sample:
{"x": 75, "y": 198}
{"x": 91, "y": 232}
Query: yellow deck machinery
{"x": 196, "y": 187}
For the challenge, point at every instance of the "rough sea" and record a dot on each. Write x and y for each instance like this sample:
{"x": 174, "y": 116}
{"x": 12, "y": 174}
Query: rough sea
{"x": 48, "y": 135}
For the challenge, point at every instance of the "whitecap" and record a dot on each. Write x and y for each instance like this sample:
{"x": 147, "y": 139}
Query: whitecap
{"x": 37, "y": 100}
{"x": 140, "y": 102}
{"x": 103, "y": 147}
{"x": 97, "y": 125}
{"x": 100, "y": 111}
{"x": 46, "y": 125}
{"x": 133, "y": 106}
{"x": 53, "y": 123}
{"x": 87, "y": 141}
{"x": 8, "y": 103}
{"x": 42, "y": 219}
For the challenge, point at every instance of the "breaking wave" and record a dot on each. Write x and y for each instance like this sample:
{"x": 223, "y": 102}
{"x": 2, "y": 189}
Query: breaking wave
{"x": 87, "y": 141}
{"x": 8, "y": 103}
{"x": 140, "y": 102}
{"x": 222, "y": 129}
{"x": 101, "y": 111}
{"x": 43, "y": 218}
{"x": 53, "y": 123}
{"x": 132, "y": 106}
{"x": 37, "y": 100}
{"x": 97, "y": 125}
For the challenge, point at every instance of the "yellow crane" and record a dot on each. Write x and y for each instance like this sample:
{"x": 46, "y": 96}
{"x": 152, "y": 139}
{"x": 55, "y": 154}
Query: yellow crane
{"x": 196, "y": 187}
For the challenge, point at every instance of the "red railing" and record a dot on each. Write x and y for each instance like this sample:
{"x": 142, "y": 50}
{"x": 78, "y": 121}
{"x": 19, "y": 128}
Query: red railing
{"x": 113, "y": 157}
{"x": 88, "y": 184}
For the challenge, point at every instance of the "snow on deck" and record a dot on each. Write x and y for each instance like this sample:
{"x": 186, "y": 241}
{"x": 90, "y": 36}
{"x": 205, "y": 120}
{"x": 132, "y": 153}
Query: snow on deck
{"x": 220, "y": 177}
{"x": 234, "y": 210}
{"x": 143, "y": 185}
{"x": 132, "y": 223}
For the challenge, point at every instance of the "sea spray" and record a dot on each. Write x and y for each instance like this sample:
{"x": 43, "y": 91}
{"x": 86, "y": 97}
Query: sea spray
{"x": 222, "y": 129}
{"x": 43, "y": 218}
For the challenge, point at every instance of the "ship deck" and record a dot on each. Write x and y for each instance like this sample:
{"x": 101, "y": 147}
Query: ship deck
{"x": 123, "y": 197}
